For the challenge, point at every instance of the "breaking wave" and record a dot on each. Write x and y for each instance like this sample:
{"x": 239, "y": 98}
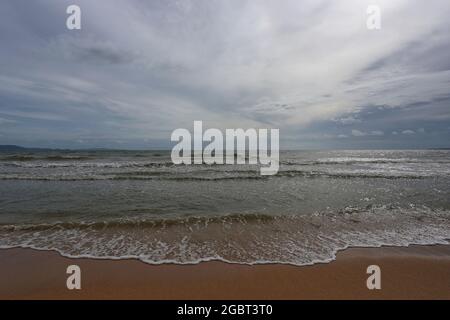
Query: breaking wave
{"x": 238, "y": 238}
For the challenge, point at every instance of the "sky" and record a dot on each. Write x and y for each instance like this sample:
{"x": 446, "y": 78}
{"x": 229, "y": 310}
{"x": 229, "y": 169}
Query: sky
{"x": 137, "y": 70}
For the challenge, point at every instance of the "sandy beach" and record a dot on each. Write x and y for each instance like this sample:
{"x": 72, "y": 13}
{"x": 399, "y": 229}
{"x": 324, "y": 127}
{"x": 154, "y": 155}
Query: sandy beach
{"x": 415, "y": 272}
{"x": 225, "y": 150}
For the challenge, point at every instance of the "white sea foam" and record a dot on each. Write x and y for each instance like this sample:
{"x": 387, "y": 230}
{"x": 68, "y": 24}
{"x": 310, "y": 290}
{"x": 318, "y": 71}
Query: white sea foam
{"x": 253, "y": 239}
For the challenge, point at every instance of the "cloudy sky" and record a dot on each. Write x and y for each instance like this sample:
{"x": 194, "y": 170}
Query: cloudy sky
{"x": 137, "y": 70}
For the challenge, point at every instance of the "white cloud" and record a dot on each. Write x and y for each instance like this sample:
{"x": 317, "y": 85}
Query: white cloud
{"x": 358, "y": 133}
{"x": 348, "y": 120}
{"x": 408, "y": 132}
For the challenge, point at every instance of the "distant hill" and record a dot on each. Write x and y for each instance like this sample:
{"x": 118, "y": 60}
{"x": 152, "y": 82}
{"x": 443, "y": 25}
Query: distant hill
{"x": 12, "y": 148}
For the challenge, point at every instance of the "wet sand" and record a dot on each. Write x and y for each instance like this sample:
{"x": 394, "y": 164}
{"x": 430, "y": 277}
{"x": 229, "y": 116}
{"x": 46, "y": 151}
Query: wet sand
{"x": 415, "y": 272}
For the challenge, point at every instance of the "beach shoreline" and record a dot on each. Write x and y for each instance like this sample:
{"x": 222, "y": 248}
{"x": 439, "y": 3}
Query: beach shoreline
{"x": 413, "y": 272}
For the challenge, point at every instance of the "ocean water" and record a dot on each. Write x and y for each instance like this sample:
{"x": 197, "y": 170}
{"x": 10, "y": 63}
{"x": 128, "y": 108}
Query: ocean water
{"x": 137, "y": 204}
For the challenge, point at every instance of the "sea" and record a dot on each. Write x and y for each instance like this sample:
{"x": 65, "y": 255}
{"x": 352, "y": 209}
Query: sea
{"x": 112, "y": 204}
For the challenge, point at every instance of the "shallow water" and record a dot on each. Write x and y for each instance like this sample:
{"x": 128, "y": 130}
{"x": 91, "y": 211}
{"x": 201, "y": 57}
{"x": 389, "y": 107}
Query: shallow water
{"x": 121, "y": 204}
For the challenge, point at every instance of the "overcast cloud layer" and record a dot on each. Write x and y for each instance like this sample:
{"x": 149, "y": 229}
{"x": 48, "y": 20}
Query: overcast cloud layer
{"x": 140, "y": 69}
